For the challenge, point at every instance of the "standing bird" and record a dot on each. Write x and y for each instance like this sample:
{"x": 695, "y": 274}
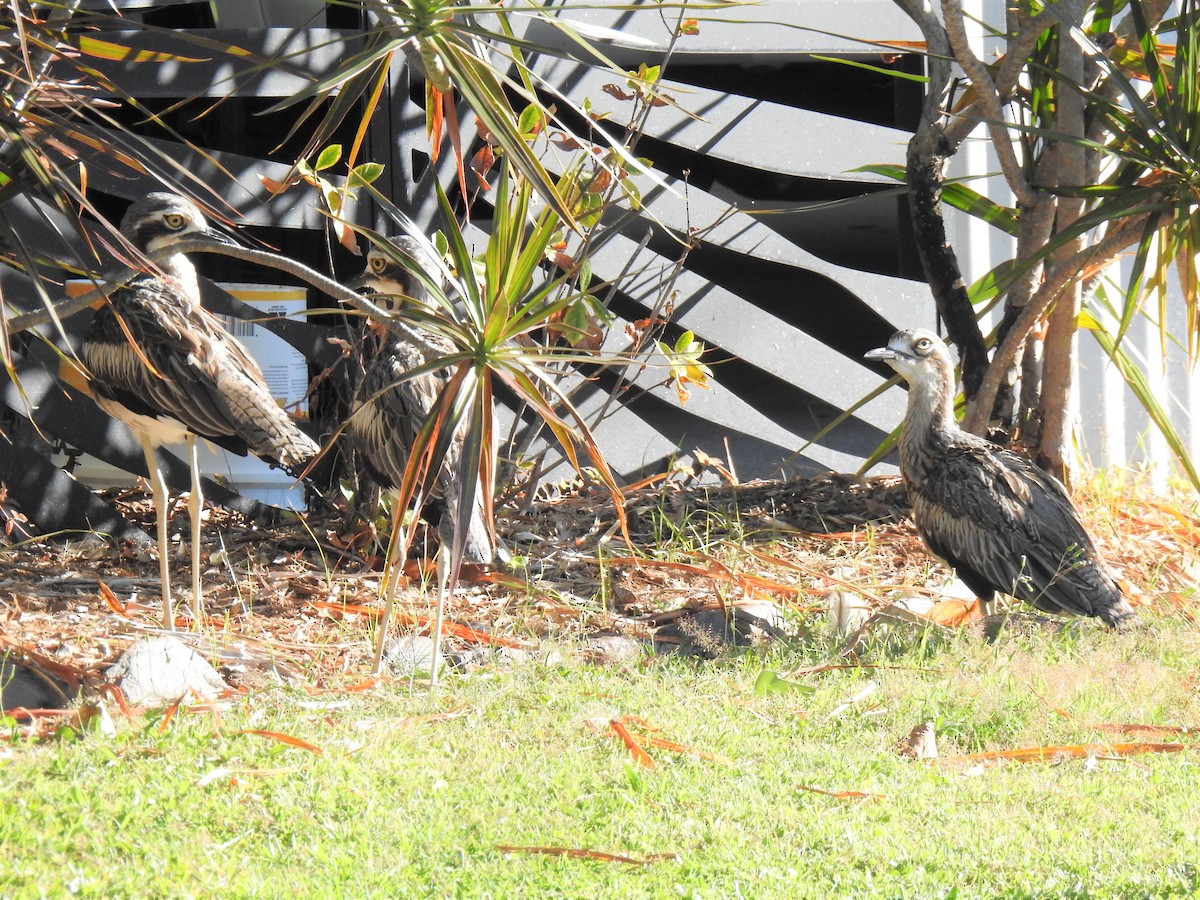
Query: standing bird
{"x": 1000, "y": 521}
{"x": 168, "y": 369}
{"x": 392, "y": 404}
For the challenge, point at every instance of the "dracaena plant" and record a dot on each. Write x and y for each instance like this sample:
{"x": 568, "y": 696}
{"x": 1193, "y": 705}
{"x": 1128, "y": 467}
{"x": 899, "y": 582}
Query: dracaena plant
{"x": 494, "y": 309}
{"x": 475, "y": 53}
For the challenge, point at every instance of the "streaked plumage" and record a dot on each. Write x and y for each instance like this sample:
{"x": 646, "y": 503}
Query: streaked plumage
{"x": 167, "y": 368}
{"x": 389, "y": 408}
{"x": 1000, "y": 521}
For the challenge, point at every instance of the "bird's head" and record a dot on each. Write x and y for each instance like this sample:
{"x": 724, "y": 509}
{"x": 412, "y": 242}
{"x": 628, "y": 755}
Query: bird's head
{"x": 161, "y": 219}
{"x": 391, "y": 269}
{"x": 919, "y": 355}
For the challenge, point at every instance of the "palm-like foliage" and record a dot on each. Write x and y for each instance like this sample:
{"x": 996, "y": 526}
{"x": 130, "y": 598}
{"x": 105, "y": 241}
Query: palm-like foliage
{"x": 489, "y": 308}
{"x": 477, "y": 51}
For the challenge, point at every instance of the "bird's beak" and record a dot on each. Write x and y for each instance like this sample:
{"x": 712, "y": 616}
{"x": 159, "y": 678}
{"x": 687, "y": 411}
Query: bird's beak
{"x": 883, "y": 353}
{"x": 360, "y": 282}
{"x": 216, "y": 237}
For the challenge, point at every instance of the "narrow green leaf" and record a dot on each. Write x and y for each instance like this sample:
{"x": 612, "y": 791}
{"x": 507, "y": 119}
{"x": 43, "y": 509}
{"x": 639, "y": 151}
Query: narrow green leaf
{"x": 1139, "y": 384}
{"x": 479, "y": 85}
{"x": 532, "y": 120}
{"x": 959, "y": 196}
{"x": 99, "y": 49}
{"x": 880, "y": 70}
{"x": 769, "y": 682}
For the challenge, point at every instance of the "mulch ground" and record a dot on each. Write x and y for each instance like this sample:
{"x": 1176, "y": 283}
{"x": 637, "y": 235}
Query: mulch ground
{"x": 298, "y": 599}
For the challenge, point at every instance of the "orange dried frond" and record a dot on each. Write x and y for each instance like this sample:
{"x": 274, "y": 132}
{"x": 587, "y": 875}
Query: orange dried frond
{"x": 337, "y": 606}
{"x": 640, "y": 756}
{"x": 284, "y": 739}
{"x": 169, "y": 714}
{"x": 841, "y": 795}
{"x": 663, "y": 744}
{"x": 113, "y": 603}
{"x": 1069, "y": 751}
{"x": 647, "y": 482}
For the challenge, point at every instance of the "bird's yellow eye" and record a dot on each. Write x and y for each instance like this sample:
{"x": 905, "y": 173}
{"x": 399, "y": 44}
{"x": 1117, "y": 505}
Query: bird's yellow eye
{"x": 175, "y": 221}
{"x": 923, "y": 345}
{"x": 377, "y": 263}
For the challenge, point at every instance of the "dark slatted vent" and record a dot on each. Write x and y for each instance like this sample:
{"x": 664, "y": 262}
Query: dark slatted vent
{"x": 788, "y": 291}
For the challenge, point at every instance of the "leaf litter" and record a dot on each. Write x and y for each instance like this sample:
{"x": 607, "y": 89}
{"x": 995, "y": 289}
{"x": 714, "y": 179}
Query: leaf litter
{"x": 295, "y": 601}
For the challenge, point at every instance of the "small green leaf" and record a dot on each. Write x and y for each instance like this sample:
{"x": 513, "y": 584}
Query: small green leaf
{"x": 643, "y": 76}
{"x": 589, "y": 209}
{"x": 686, "y": 342}
{"x": 576, "y": 318}
{"x": 328, "y": 157}
{"x": 532, "y": 120}
{"x": 333, "y": 197}
{"x": 769, "y": 682}
{"x": 364, "y": 174}
{"x": 67, "y": 733}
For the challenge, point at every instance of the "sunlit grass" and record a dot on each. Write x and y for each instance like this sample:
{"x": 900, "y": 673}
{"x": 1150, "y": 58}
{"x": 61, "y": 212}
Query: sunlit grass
{"x": 413, "y": 793}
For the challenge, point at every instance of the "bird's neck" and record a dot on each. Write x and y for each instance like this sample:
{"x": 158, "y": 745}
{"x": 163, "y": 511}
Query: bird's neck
{"x": 929, "y": 425}
{"x": 180, "y": 270}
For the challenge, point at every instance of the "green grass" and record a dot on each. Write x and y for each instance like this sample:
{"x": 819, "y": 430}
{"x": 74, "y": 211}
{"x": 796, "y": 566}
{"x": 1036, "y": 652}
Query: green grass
{"x": 408, "y": 807}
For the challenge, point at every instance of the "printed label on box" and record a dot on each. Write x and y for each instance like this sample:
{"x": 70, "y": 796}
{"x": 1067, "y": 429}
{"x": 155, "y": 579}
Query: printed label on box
{"x": 283, "y": 366}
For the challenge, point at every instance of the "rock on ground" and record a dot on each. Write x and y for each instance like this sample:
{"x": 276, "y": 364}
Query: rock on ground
{"x": 409, "y": 655}
{"x": 162, "y": 669}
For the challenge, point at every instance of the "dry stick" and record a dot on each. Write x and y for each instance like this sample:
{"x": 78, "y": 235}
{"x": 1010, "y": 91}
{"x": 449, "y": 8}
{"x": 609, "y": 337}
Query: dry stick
{"x": 201, "y": 245}
{"x": 1100, "y": 254}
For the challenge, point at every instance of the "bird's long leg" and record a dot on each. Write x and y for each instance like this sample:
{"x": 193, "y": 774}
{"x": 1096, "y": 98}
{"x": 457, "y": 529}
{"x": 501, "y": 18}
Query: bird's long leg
{"x": 195, "y": 507}
{"x": 443, "y": 570}
{"x": 158, "y": 489}
{"x": 391, "y": 580}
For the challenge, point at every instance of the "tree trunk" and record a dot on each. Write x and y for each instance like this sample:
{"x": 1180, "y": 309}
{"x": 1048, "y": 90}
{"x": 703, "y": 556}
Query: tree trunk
{"x": 926, "y": 164}
{"x": 1069, "y": 169}
{"x": 1035, "y": 227}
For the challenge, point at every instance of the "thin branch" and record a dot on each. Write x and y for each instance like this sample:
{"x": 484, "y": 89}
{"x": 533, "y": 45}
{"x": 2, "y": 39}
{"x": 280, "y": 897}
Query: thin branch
{"x": 1011, "y": 67}
{"x": 989, "y": 99}
{"x": 1098, "y": 256}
